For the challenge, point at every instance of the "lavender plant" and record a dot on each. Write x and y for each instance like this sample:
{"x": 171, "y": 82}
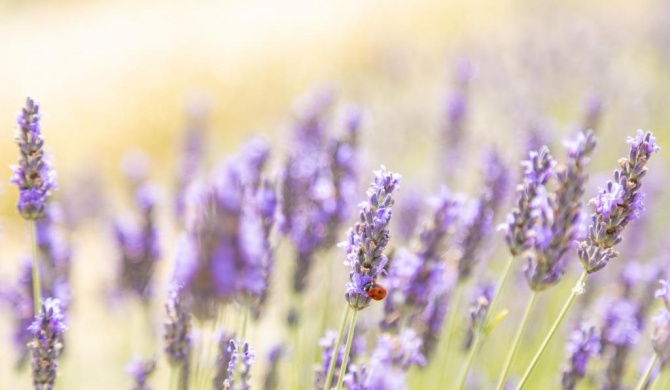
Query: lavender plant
{"x": 365, "y": 254}
{"x": 47, "y": 341}
{"x": 615, "y": 206}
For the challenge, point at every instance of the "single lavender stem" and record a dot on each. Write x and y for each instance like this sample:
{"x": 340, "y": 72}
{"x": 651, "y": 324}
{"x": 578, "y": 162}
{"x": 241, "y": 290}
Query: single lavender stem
{"x": 647, "y": 373}
{"x": 37, "y": 291}
{"x": 347, "y": 349}
{"x": 578, "y": 289}
{"x": 517, "y": 339}
{"x": 501, "y": 283}
{"x": 336, "y": 348}
{"x": 471, "y": 357}
{"x": 451, "y": 323}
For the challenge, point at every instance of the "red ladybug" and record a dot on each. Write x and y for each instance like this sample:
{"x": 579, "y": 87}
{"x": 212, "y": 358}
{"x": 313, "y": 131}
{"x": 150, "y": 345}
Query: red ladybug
{"x": 375, "y": 291}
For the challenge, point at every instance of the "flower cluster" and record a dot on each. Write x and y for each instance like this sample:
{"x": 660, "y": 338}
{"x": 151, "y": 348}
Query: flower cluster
{"x": 46, "y": 344}
{"x": 617, "y": 204}
{"x": 32, "y": 175}
{"x": 368, "y": 238}
{"x": 584, "y": 344}
{"x": 226, "y": 253}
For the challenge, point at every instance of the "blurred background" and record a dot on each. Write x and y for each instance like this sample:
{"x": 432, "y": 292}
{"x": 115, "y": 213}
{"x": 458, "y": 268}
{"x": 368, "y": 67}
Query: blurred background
{"x": 115, "y": 76}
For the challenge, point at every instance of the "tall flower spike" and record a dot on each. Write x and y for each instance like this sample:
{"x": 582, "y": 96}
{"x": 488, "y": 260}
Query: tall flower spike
{"x": 223, "y": 360}
{"x": 479, "y": 307}
{"x": 32, "y": 175}
{"x": 369, "y": 237}
{"x": 416, "y": 278}
{"x": 538, "y": 169}
{"x": 559, "y": 216}
{"x": 617, "y": 204}
{"x": 139, "y": 245}
{"x": 178, "y": 338}
{"x": 47, "y": 331}
{"x": 239, "y": 353}
{"x": 584, "y": 344}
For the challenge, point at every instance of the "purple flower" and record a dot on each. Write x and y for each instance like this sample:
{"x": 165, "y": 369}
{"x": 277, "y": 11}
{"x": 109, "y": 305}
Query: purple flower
{"x": 224, "y": 358}
{"x": 226, "y": 254}
{"x": 240, "y": 357}
{"x": 479, "y": 307}
{"x": 392, "y": 357}
{"x": 191, "y": 158}
{"x": 327, "y": 344}
{"x": 138, "y": 245}
{"x": 47, "y": 341}
{"x": 20, "y": 299}
{"x": 178, "y": 338}
{"x": 584, "y": 344}
{"x": 616, "y": 205}
{"x": 368, "y": 238}
{"x": 417, "y": 278}
{"x": 538, "y": 169}
{"x": 558, "y": 216}
{"x": 33, "y": 174}
{"x": 140, "y": 369}
{"x": 456, "y": 111}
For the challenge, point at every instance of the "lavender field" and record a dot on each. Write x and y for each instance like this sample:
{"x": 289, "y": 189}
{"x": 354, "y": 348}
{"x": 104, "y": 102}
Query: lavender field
{"x": 334, "y": 195}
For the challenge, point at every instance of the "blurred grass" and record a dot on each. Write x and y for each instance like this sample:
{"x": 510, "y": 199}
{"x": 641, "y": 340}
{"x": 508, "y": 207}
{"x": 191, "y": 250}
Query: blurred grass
{"x": 111, "y": 75}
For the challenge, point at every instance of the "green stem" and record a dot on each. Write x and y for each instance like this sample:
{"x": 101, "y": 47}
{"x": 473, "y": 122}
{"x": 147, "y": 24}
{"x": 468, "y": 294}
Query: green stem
{"x": 245, "y": 319}
{"x": 517, "y": 340}
{"x": 471, "y": 357}
{"x": 336, "y": 348}
{"x": 347, "y": 349}
{"x": 481, "y": 332}
{"x": 501, "y": 283}
{"x": 578, "y": 289}
{"x": 447, "y": 332}
{"x": 37, "y": 291}
{"x": 647, "y": 373}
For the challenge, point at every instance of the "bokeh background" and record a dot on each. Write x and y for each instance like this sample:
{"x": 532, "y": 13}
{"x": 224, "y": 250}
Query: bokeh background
{"x": 114, "y": 76}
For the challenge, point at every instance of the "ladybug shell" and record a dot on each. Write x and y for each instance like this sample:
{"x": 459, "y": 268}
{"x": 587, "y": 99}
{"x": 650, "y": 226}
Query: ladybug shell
{"x": 377, "y": 292}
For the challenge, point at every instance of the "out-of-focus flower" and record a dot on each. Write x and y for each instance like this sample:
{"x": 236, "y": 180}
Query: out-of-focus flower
{"x": 392, "y": 357}
{"x": 327, "y": 344}
{"x": 479, "y": 307}
{"x": 33, "y": 174}
{"x": 584, "y": 344}
{"x": 140, "y": 369}
{"x": 617, "y": 204}
{"x": 190, "y": 160}
{"x": 138, "y": 245}
{"x": 226, "y": 253}
{"x": 417, "y": 278}
{"x": 47, "y": 341}
{"x": 456, "y": 111}
{"x": 178, "y": 338}
{"x": 368, "y": 238}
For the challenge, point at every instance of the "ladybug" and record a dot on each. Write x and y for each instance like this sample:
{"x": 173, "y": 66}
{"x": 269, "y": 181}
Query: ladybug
{"x": 374, "y": 290}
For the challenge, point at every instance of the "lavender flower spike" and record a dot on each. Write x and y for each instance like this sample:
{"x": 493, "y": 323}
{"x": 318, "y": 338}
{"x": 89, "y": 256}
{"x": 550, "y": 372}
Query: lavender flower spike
{"x": 247, "y": 356}
{"x": 617, "y": 204}
{"x": 369, "y": 237}
{"x": 538, "y": 169}
{"x": 47, "y": 342}
{"x": 178, "y": 340}
{"x": 32, "y": 175}
{"x": 584, "y": 344}
{"x": 558, "y": 216}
